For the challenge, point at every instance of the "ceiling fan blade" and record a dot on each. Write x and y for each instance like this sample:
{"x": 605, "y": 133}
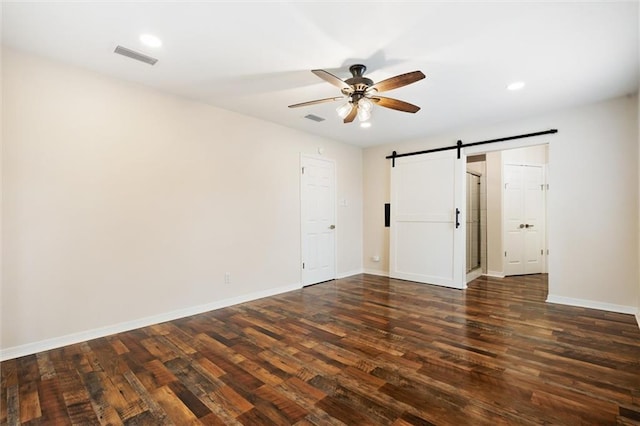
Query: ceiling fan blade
{"x": 317, "y": 101}
{"x": 330, "y": 78}
{"x": 352, "y": 114}
{"x": 398, "y": 81}
{"x": 395, "y": 104}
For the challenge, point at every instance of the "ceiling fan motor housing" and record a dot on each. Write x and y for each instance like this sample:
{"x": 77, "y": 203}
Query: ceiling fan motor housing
{"x": 359, "y": 83}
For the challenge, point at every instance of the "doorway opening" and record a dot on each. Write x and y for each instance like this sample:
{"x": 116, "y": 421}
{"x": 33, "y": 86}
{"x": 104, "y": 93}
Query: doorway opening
{"x": 476, "y": 206}
{"x": 513, "y": 212}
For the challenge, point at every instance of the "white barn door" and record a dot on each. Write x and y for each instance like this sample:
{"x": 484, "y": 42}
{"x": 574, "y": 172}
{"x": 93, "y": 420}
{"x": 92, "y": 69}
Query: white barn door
{"x": 427, "y": 235}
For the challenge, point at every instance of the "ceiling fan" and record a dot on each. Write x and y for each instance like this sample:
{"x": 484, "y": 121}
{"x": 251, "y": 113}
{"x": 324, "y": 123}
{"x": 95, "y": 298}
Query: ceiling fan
{"x": 361, "y": 93}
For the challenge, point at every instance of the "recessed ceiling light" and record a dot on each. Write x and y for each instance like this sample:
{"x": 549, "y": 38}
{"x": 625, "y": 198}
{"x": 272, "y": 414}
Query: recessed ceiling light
{"x": 365, "y": 124}
{"x": 516, "y": 85}
{"x": 150, "y": 40}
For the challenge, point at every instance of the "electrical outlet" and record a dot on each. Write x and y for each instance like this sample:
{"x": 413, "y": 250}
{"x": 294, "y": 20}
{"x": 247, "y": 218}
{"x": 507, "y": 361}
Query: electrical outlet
{"x": 227, "y": 277}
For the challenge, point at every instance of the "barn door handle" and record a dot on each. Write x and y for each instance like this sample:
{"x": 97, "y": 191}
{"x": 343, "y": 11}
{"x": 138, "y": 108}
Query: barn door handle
{"x": 457, "y": 218}
{"x": 528, "y": 226}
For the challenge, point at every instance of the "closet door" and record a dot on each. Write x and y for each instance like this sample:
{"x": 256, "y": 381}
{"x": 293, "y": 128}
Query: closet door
{"x": 524, "y": 219}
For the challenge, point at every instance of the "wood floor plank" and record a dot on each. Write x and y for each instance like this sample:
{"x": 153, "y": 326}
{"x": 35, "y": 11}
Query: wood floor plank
{"x": 191, "y": 401}
{"x": 177, "y": 412}
{"x": 29, "y": 381}
{"x": 360, "y": 350}
{"x": 159, "y": 414}
{"x": 13, "y": 405}
{"x": 52, "y": 403}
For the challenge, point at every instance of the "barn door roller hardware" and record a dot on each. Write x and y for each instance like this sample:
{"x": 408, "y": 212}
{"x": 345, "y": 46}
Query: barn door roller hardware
{"x": 459, "y": 145}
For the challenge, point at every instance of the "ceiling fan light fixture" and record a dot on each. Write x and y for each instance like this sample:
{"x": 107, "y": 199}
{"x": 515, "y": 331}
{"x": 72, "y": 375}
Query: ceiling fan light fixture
{"x": 344, "y": 109}
{"x": 363, "y": 113}
{"x": 365, "y": 104}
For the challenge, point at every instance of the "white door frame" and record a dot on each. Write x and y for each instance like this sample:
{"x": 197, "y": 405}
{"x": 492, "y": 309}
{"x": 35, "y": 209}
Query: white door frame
{"x": 521, "y": 143}
{"x": 335, "y": 214}
{"x": 475, "y": 273}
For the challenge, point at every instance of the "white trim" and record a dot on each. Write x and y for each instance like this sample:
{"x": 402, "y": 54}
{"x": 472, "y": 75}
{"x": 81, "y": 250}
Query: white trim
{"x": 495, "y": 274}
{"x": 638, "y": 318}
{"x": 511, "y": 144}
{"x": 350, "y": 273}
{"x": 623, "y": 309}
{"x": 376, "y": 272}
{"x": 82, "y": 336}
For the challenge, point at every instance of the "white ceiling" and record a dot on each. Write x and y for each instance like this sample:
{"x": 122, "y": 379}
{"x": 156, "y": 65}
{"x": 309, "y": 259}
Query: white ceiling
{"x": 255, "y": 57}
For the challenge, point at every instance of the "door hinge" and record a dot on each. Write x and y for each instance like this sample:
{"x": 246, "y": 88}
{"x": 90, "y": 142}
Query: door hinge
{"x": 542, "y": 252}
{"x": 505, "y": 185}
{"x": 547, "y": 187}
{"x": 302, "y": 265}
{"x": 505, "y": 254}
{"x": 542, "y": 187}
{"x": 303, "y": 170}
{"x": 547, "y": 252}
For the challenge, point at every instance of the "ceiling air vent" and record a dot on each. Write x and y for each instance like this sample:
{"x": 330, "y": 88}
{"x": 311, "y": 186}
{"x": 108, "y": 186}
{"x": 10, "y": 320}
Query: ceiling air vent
{"x": 314, "y": 117}
{"x": 135, "y": 55}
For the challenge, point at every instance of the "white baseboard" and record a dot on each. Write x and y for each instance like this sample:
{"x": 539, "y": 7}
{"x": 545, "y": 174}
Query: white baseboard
{"x": 495, "y": 274}
{"x": 638, "y": 318}
{"x": 623, "y": 309}
{"x": 376, "y": 272}
{"x": 350, "y": 273}
{"x": 69, "y": 339}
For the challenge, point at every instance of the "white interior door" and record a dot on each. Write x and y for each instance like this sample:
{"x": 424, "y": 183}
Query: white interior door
{"x": 427, "y": 236}
{"x": 524, "y": 219}
{"x": 317, "y": 209}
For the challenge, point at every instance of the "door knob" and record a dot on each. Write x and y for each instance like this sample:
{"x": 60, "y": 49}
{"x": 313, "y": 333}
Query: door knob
{"x": 332, "y": 227}
{"x": 521, "y": 225}
{"x": 528, "y": 226}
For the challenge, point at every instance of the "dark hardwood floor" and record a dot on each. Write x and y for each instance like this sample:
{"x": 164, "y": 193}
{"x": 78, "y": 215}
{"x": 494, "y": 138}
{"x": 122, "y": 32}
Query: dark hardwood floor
{"x": 360, "y": 350}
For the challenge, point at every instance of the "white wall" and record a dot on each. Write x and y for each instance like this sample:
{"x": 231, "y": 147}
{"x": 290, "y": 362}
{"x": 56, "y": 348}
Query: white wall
{"x": 123, "y": 203}
{"x": 593, "y": 201}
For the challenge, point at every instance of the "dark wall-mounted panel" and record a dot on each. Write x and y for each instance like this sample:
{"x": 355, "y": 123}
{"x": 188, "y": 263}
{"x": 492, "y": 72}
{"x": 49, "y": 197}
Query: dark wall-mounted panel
{"x": 387, "y": 215}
